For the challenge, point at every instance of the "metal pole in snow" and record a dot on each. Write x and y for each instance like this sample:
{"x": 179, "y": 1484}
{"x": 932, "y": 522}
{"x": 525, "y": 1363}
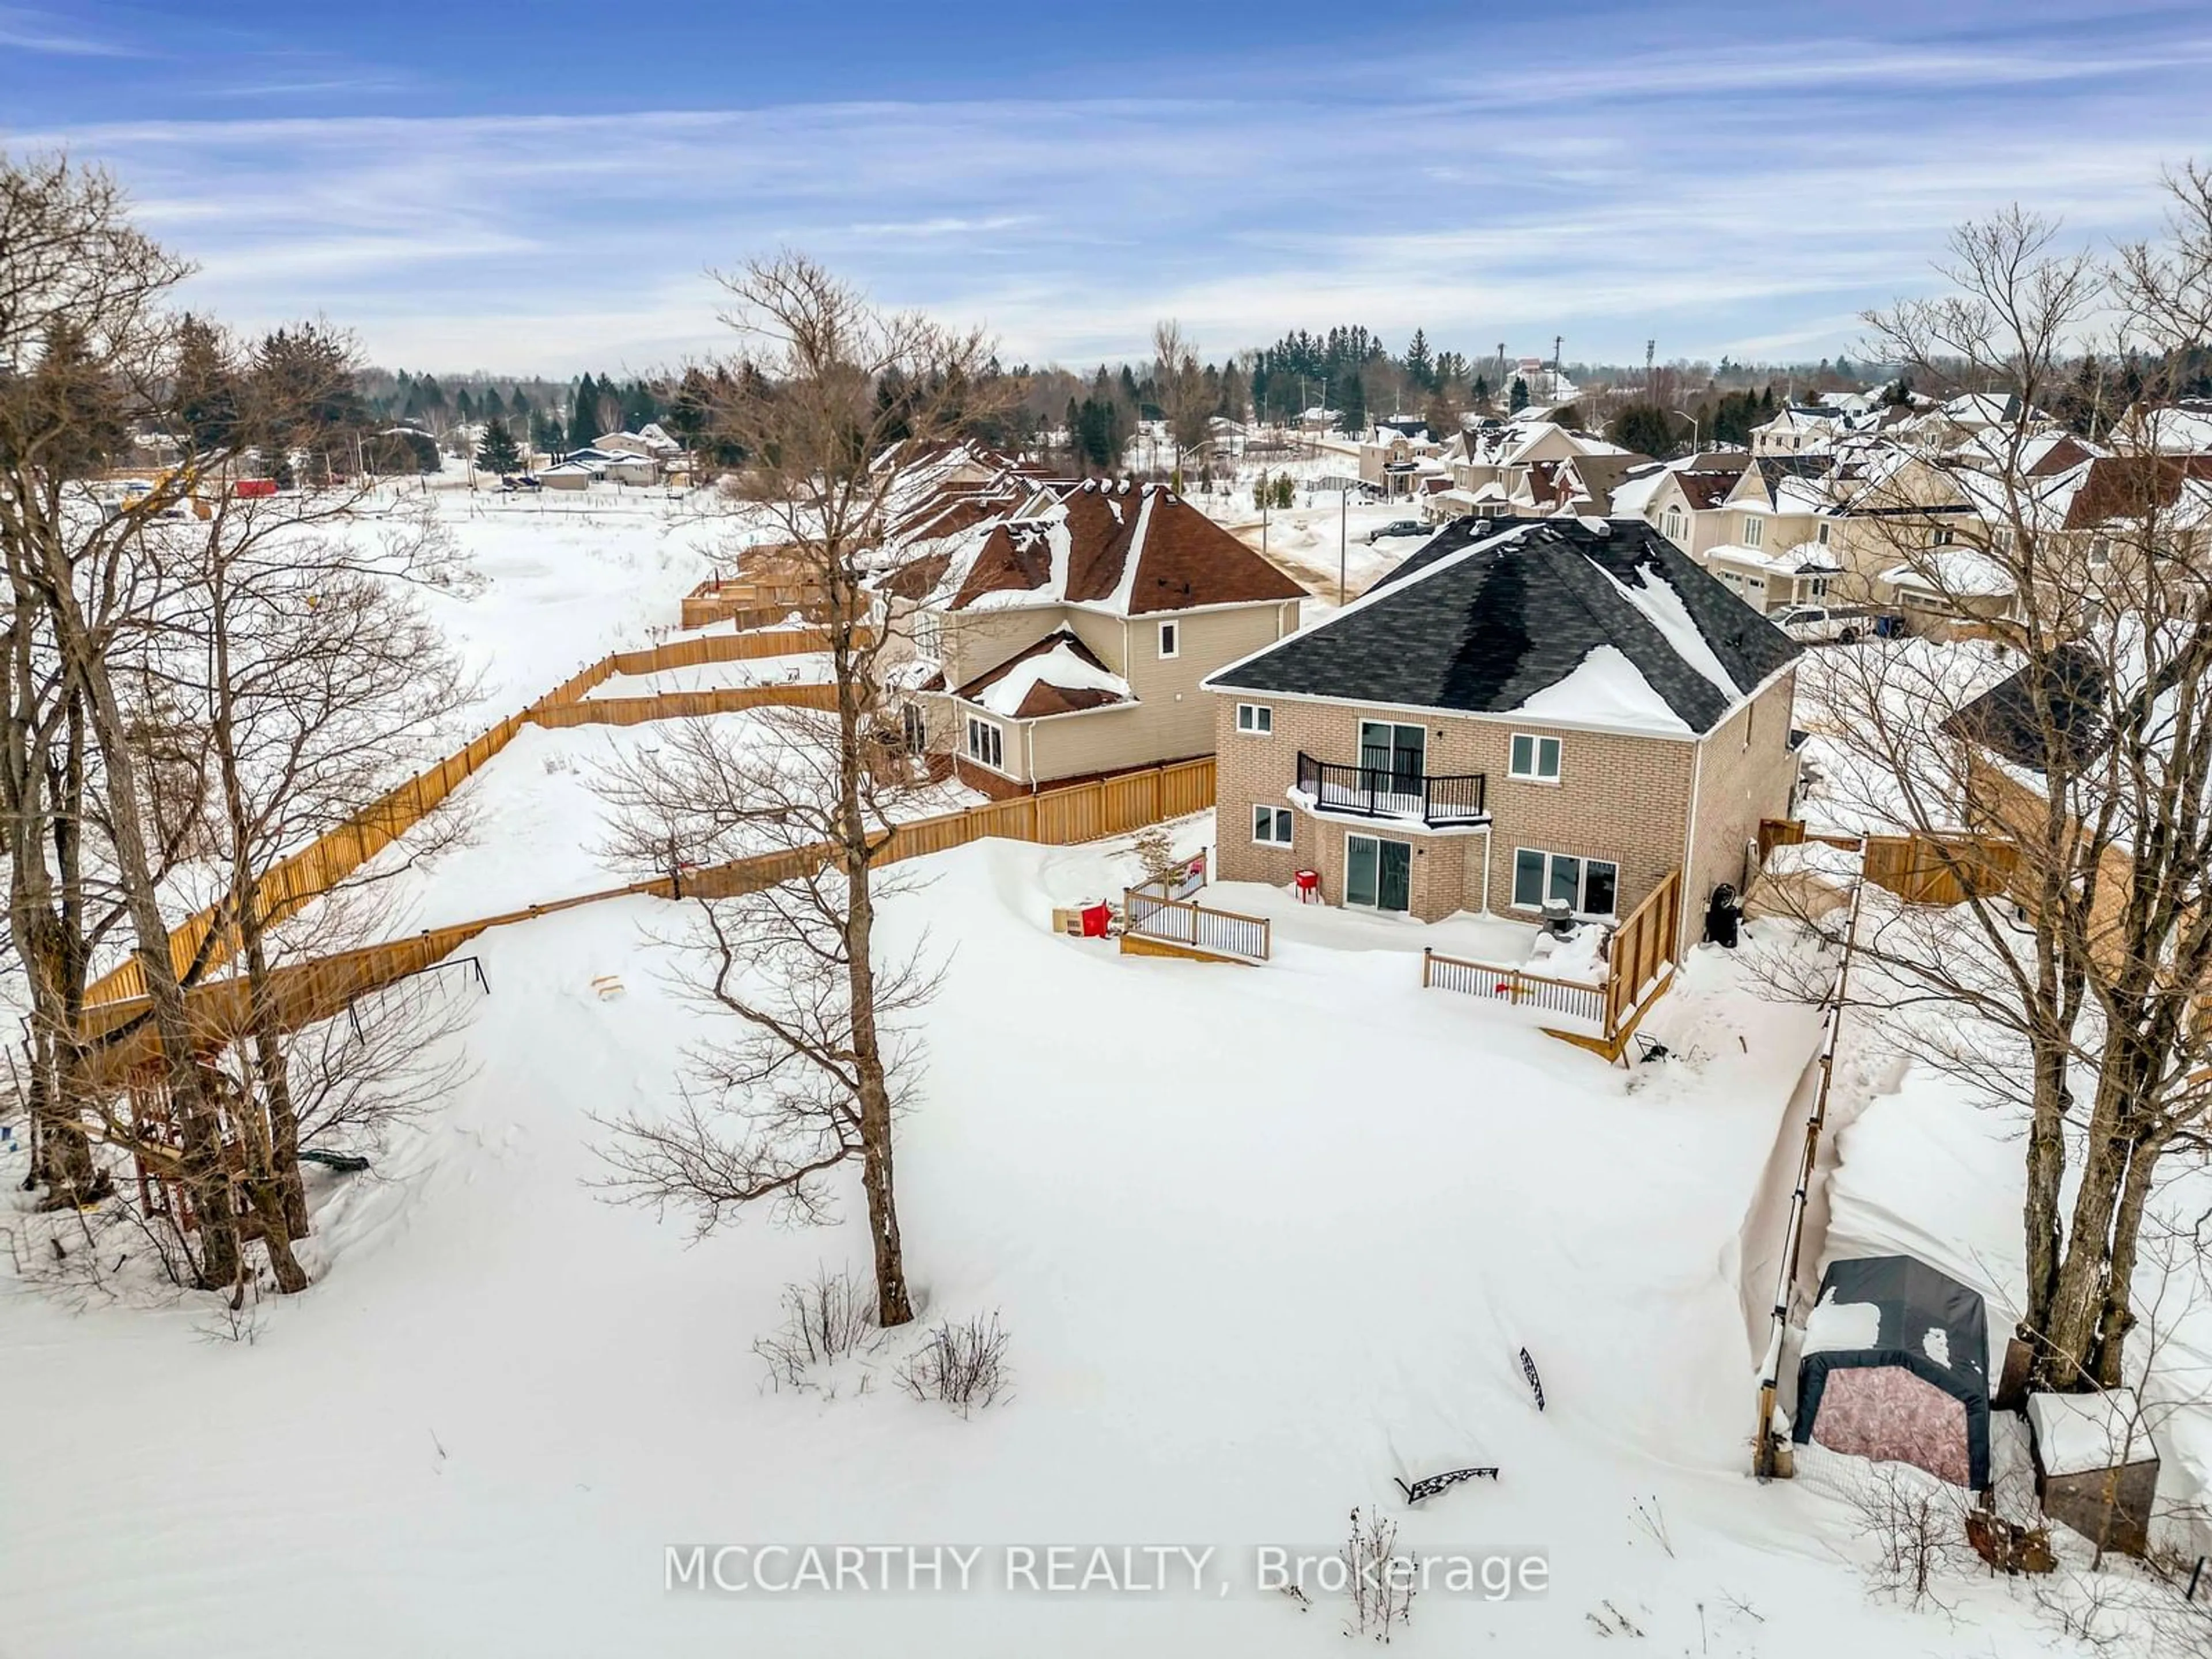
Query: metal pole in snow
{"x": 1343, "y": 540}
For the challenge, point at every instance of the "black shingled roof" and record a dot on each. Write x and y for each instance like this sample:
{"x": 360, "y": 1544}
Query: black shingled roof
{"x": 2006, "y": 719}
{"x": 1480, "y": 621}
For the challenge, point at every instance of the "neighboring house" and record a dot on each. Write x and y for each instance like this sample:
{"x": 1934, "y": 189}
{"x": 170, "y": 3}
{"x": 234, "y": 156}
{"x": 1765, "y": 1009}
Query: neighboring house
{"x": 1690, "y": 504}
{"x": 1067, "y": 639}
{"x": 1490, "y": 462}
{"x": 1394, "y": 457}
{"x": 1566, "y": 708}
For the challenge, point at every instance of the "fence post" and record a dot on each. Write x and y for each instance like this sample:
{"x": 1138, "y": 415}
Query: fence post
{"x": 1428, "y": 958}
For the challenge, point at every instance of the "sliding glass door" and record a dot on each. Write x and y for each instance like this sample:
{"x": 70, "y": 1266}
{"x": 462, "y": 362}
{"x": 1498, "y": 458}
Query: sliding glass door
{"x": 1379, "y": 874}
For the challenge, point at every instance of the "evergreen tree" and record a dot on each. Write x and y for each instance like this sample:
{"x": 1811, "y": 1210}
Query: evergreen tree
{"x": 1518, "y": 399}
{"x": 1481, "y": 390}
{"x": 1644, "y": 428}
{"x": 1350, "y": 402}
{"x": 498, "y": 452}
{"x": 207, "y": 386}
{"x": 1420, "y": 367}
{"x": 544, "y": 432}
{"x": 584, "y": 414}
{"x": 464, "y": 407}
{"x": 494, "y": 407}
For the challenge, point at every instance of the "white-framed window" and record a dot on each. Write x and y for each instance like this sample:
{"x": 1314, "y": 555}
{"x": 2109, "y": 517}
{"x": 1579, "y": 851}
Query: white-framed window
{"x": 986, "y": 744}
{"x": 1673, "y": 529}
{"x": 1591, "y": 886}
{"x": 1257, "y": 718}
{"x": 1271, "y": 825}
{"x": 2100, "y": 550}
{"x": 1534, "y": 758}
{"x": 1170, "y": 639}
{"x": 915, "y": 724}
{"x": 1820, "y": 535}
{"x": 928, "y": 633}
{"x": 1754, "y": 530}
{"x": 1941, "y": 536}
{"x": 1819, "y": 588}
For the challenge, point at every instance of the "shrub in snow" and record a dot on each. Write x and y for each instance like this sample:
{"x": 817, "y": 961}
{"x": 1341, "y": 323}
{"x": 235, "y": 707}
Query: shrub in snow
{"x": 1156, "y": 856}
{"x": 964, "y": 1364}
{"x": 824, "y": 1319}
{"x": 1379, "y": 1582}
{"x": 1917, "y": 1526}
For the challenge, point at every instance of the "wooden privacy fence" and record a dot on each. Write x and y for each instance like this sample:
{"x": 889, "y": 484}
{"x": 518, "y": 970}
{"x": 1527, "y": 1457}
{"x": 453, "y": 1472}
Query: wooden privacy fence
{"x": 1149, "y": 915}
{"x": 291, "y": 884}
{"x": 307, "y": 992}
{"x": 1941, "y": 870}
{"x": 681, "y": 705}
{"x": 1640, "y": 966}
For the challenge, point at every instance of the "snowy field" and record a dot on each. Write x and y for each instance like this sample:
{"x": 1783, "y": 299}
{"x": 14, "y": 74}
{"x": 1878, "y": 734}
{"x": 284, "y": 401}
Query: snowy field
{"x": 561, "y": 582}
{"x": 1265, "y": 1238}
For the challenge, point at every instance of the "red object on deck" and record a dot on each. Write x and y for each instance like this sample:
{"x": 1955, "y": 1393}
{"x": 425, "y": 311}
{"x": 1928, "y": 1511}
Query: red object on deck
{"x": 1308, "y": 885}
{"x": 1095, "y": 918}
{"x": 252, "y": 487}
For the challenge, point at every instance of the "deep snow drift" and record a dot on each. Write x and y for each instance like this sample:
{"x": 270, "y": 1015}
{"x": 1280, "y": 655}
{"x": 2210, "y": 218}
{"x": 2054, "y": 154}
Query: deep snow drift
{"x": 1265, "y": 1238}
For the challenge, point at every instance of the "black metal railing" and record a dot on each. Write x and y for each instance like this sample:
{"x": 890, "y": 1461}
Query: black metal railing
{"x": 1380, "y": 792}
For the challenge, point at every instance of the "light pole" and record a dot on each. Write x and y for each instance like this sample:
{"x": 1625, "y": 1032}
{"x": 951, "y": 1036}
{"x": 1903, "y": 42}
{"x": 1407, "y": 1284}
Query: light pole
{"x": 1692, "y": 420}
{"x": 1343, "y": 540}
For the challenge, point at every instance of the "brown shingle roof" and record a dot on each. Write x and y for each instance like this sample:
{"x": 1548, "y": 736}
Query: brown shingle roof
{"x": 2132, "y": 487}
{"x": 1042, "y": 698}
{"x": 1182, "y": 559}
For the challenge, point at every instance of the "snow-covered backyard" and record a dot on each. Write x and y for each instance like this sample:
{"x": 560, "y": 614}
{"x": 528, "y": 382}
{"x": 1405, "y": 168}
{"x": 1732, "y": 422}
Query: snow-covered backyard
{"x": 1266, "y": 1239}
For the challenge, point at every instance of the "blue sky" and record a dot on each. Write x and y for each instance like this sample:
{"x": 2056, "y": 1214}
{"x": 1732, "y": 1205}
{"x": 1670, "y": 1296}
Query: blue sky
{"x": 542, "y": 187}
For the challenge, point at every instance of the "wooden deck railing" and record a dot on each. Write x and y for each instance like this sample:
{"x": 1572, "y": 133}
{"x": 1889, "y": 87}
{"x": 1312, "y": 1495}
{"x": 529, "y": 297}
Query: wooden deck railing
{"x": 1640, "y": 958}
{"x": 1573, "y": 999}
{"x": 1149, "y": 913}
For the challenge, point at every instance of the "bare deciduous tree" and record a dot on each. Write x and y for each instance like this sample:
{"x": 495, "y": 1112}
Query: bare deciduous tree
{"x": 833, "y": 401}
{"x": 2082, "y": 975}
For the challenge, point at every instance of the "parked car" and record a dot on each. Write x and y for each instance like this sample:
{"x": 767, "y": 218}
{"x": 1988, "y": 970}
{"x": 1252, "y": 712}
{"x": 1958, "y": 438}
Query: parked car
{"x": 1397, "y": 527}
{"x": 1815, "y": 623}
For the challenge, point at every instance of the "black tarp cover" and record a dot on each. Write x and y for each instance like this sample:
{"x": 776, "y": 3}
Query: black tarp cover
{"x": 1914, "y": 1299}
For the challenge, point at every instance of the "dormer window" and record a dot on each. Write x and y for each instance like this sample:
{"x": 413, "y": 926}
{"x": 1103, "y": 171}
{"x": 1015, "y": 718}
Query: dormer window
{"x": 1754, "y": 530}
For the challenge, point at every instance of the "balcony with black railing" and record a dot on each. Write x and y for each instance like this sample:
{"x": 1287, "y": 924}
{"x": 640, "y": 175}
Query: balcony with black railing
{"x": 1385, "y": 791}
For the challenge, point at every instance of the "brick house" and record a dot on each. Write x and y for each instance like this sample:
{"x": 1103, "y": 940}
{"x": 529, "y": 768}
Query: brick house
{"x": 1571, "y": 708}
{"x": 1064, "y": 635}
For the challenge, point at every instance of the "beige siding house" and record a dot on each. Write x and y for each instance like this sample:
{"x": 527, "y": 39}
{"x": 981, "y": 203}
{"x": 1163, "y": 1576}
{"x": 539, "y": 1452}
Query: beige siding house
{"x": 1561, "y": 712}
{"x": 1067, "y": 635}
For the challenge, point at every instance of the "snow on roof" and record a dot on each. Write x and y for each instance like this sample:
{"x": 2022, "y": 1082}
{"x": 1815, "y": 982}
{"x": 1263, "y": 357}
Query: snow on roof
{"x": 1124, "y": 550}
{"x": 2085, "y": 1433}
{"x": 1660, "y": 600}
{"x": 1805, "y": 558}
{"x": 1482, "y": 621}
{"x": 1958, "y": 571}
{"x": 1058, "y": 675}
{"x": 1605, "y": 688}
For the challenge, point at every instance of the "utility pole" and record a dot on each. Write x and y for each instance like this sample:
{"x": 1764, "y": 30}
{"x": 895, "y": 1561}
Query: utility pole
{"x": 1650, "y": 347}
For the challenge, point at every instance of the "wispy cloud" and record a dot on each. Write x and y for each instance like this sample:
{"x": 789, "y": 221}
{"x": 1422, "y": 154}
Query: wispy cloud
{"x": 22, "y": 30}
{"x": 1744, "y": 198}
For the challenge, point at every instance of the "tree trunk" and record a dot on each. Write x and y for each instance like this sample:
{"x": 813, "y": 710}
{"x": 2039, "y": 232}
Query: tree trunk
{"x": 2046, "y": 1171}
{"x": 2116, "y": 1317}
{"x": 894, "y": 1306}
{"x": 206, "y": 1180}
{"x": 2070, "y": 1336}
